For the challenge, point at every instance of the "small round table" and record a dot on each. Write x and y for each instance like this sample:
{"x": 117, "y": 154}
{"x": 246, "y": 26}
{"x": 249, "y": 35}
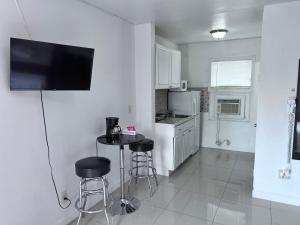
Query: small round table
{"x": 122, "y": 205}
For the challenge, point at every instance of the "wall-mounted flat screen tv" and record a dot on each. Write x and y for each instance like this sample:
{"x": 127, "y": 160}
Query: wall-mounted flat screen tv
{"x": 36, "y": 65}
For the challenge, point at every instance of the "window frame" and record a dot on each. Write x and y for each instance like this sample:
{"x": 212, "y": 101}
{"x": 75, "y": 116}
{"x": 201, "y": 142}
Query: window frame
{"x": 245, "y": 58}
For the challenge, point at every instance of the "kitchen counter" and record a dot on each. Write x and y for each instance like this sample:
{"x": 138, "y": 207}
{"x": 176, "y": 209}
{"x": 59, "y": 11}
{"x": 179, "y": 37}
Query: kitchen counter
{"x": 175, "y": 121}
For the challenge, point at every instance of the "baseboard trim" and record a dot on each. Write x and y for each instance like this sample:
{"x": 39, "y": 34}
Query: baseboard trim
{"x": 275, "y": 197}
{"x": 229, "y": 148}
{"x": 162, "y": 171}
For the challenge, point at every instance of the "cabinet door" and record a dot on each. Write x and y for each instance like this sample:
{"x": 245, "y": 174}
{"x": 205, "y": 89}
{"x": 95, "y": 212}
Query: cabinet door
{"x": 189, "y": 143}
{"x": 197, "y": 133}
{"x": 178, "y": 147}
{"x": 186, "y": 146}
{"x": 176, "y": 69}
{"x": 191, "y": 137}
{"x": 163, "y": 68}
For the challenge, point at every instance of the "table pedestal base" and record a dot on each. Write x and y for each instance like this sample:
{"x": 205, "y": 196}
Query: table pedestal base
{"x": 125, "y": 206}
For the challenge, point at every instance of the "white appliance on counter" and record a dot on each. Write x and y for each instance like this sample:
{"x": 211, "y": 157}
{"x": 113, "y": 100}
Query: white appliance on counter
{"x": 187, "y": 103}
{"x": 183, "y": 86}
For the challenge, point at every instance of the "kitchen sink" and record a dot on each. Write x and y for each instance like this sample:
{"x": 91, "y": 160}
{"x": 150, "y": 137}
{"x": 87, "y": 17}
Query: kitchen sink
{"x": 181, "y": 116}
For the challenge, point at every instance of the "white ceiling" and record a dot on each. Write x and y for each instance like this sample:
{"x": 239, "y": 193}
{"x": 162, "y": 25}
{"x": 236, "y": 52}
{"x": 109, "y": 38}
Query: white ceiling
{"x": 187, "y": 21}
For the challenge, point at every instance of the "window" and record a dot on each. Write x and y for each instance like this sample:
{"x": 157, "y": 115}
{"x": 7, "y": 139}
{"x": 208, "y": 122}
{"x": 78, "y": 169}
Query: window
{"x": 231, "y": 73}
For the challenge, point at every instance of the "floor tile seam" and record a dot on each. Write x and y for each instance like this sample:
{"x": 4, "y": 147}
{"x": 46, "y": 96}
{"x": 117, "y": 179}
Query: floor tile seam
{"x": 271, "y": 213}
{"x": 212, "y": 178}
{"x": 217, "y": 198}
{"x": 226, "y": 189}
{"x": 206, "y": 176}
{"x": 222, "y": 167}
{"x": 230, "y": 176}
{"x": 162, "y": 211}
{"x": 186, "y": 182}
{"x": 151, "y": 205}
{"x": 235, "y": 163}
{"x": 208, "y": 195}
{"x": 176, "y": 192}
{"x": 201, "y": 194}
{"x": 244, "y": 204}
{"x": 221, "y": 198}
{"x": 199, "y": 218}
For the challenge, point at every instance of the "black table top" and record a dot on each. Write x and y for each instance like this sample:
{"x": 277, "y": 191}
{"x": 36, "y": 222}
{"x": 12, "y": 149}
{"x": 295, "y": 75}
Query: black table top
{"x": 122, "y": 139}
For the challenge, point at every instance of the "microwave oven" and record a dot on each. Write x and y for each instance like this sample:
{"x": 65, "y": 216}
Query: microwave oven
{"x": 183, "y": 86}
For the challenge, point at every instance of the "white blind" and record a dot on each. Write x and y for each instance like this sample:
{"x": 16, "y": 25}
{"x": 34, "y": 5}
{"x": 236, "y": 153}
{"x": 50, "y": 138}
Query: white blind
{"x": 231, "y": 73}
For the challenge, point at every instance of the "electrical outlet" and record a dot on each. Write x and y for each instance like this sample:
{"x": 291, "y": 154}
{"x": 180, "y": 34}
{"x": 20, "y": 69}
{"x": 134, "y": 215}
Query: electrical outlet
{"x": 281, "y": 174}
{"x": 129, "y": 109}
{"x": 284, "y": 174}
{"x": 64, "y": 195}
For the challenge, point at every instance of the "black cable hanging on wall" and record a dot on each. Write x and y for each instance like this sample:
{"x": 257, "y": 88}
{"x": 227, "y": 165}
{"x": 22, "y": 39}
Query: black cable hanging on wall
{"x": 49, "y": 160}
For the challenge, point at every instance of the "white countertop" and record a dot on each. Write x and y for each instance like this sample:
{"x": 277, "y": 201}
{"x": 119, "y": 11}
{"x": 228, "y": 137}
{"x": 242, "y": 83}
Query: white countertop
{"x": 175, "y": 121}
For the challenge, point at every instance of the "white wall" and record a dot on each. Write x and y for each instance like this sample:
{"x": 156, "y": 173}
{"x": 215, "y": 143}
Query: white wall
{"x": 144, "y": 39}
{"x": 165, "y": 42}
{"x": 74, "y": 119}
{"x": 196, "y": 58}
{"x": 279, "y": 71}
{"x": 196, "y": 61}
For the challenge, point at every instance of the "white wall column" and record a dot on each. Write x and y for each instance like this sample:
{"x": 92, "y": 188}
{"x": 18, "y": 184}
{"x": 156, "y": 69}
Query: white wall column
{"x": 144, "y": 35}
{"x": 280, "y": 53}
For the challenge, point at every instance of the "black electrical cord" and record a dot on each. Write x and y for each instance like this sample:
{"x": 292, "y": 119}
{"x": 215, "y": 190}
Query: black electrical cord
{"x": 49, "y": 160}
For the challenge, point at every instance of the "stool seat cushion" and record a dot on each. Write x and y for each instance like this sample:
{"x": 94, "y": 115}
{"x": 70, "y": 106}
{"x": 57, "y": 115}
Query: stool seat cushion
{"x": 92, "y": 167}
{"x": 142, "y": 146}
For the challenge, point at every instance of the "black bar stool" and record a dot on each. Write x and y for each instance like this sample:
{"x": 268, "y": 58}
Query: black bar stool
{"x": 142, "y": 156}
{"x": 92, "y": 170}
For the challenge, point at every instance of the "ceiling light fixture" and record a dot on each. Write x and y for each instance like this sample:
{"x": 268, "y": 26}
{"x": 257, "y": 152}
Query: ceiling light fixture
{"x": 219, "y": 33}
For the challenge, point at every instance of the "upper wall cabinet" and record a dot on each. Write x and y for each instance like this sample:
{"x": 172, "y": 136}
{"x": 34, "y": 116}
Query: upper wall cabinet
{"x": 168, "y": 68}
{"x": 163, "y": 67}
{"x": 176, "y": 69}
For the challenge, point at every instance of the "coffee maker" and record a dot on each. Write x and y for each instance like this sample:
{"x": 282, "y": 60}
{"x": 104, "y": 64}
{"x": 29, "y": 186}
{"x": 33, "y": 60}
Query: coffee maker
{"x": 112, "y": 128}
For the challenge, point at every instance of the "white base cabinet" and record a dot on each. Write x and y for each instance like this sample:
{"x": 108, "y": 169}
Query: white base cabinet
{"x": 184, "y": 146}
{"x": 174, "y": 144}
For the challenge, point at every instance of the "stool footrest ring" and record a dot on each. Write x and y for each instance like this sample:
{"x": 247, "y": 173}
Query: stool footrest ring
{"x": 88, "y": 211}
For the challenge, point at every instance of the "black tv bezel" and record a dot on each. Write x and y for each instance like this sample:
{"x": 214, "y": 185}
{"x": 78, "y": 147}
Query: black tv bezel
{"x": 48, "y": 89}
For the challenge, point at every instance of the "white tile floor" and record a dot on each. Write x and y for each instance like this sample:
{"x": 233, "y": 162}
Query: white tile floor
{"x": 212, "y": 188}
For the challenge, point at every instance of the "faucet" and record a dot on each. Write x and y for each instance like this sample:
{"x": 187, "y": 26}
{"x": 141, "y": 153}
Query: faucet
{"x": 171, "y": 113}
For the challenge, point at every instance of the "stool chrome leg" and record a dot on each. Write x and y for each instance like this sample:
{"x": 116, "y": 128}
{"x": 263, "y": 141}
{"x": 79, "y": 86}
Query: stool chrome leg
{"x": 148, "y": 176}
{"x": 107, "y": 191}
{"x": 137, "y": 167}
{"x": 105, "y": 194}
{"x": 84, "y": 201}
{"x": 80, "y": 201}
{"x": 153, "y": 169}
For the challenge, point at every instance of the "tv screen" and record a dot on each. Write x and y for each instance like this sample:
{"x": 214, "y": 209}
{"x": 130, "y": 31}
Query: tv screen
{"x": 36, "y": 65}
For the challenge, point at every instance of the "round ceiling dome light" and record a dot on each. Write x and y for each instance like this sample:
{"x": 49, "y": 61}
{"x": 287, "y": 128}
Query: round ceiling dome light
{"x": 219, "y": 33}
